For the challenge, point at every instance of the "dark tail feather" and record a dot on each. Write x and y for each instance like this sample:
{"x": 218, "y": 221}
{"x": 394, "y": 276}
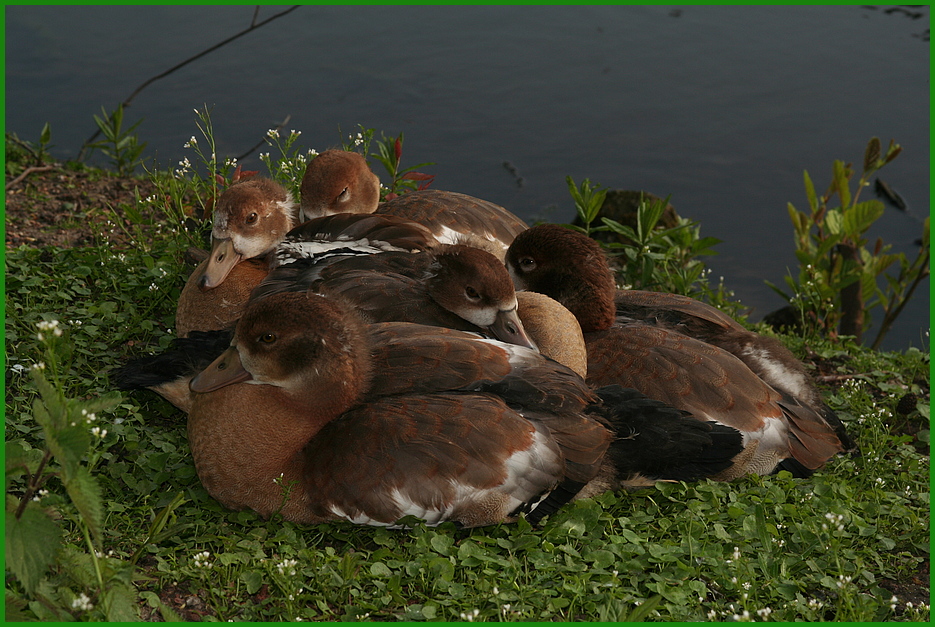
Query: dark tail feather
{"x": 185, "y": 357}
{"x": 661, "y": 442}
{"x": 847, "y": 442}
{"x": 798, "y": 470}
{"x": 563, "y": 493}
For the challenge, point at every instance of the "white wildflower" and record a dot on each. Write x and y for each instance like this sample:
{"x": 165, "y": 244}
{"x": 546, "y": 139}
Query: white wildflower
{"x": 201, "y": 560}
{"x": 286, "y": 564}
{"x": 82, "y": 602}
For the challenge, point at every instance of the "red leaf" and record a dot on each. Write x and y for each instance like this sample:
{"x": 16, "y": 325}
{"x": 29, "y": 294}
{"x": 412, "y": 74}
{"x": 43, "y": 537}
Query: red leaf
{"x": 391, "y": 195}
{"x": 399, "y": 149}
{"x": 417, "y": 176}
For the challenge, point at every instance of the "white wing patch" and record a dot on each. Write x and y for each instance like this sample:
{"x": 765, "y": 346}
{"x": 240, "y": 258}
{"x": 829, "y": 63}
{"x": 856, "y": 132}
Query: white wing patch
{"x": 529, "y": 473}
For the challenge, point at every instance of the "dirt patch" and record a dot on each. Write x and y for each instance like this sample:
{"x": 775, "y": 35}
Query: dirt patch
{"x": 68, "y": 208}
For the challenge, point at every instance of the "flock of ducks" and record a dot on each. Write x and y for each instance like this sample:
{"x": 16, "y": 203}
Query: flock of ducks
{"x": 432, "y": 356}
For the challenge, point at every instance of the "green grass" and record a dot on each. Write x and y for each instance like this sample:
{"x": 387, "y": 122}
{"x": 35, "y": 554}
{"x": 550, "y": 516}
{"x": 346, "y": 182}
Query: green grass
{"x": 831, "y": 547}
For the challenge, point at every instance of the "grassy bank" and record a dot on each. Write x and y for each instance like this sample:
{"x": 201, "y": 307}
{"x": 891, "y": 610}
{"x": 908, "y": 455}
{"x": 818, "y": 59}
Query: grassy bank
{"x": 849, "y": 544}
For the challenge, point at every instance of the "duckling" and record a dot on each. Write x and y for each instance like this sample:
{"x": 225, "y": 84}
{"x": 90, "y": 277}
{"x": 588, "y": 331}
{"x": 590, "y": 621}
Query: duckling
{"x": 453, "y": 286}
{"x": 371, "y": 423}
{"x": 338, "y": 181}
{"x": 251, "y": 217}
{"x": 673, "y": 349}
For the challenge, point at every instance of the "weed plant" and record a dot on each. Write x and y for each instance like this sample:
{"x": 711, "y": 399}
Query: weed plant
{"x": 141, "y": 537}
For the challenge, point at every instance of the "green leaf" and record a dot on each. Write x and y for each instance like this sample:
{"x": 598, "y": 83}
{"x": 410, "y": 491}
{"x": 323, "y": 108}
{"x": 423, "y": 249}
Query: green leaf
{"x": 809, "y": 193}
{"x": 841, "y": 176}
{"x": 46, "y": 135}
{"x": 32, "y": 542}
{"x": 20, "y": 459}
{"x": 253, "y": 580}
{"x": 871, "y": 154}
{"x": 380, "y": 569}
{"x": 69, "y": 445}
{"x": 168, "y": 614}
{"x": 85, "y": 493}
{"x": 54, "y": 418}
{"x": 622, "y": 229}
{"x": 857, "y": 219}
{"x": 119, "y": 604}
{"x": 834, "y": 221}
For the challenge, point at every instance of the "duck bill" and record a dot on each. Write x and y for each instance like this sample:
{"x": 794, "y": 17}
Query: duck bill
{"x": 508, "y": 328}
{"x": 222, "y": 260}
{"x": 225, "y": 370}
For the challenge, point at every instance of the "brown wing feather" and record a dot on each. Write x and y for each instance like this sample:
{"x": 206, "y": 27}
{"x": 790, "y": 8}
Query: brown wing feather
{"x": 394, "y": 230}
{"x": 672, "y": 309}
{"x": 458, "y": 211}
{"x": 422, "y": 447}
{"x": 683, "y": 372}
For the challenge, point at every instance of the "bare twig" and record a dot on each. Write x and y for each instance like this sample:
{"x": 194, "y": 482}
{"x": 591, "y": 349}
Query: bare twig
{"x": 27, "y": 172}
{"x": 253, "y": 25}
{"x": 263, "y": 141}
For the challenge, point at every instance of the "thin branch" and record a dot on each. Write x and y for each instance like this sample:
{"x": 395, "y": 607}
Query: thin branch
{"x": 253, "y": 26}
{"x": 27, "y": 172}
{"x": 263, "y": 141}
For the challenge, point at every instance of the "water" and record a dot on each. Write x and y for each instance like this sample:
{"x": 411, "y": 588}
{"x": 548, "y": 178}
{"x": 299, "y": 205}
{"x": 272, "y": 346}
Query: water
{"x": 719, "y": 107}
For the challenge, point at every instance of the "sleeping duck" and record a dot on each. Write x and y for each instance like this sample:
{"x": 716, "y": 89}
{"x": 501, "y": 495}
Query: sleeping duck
{"x": 370, "y": 423}
{"x": 453, "y": 286}
{"x": 337, "y": 181}
{"x": 685, "y": 353}
{"x": 205, "y": 309}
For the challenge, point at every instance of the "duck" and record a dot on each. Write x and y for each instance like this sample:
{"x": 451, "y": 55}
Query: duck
{"x": 339, "y": 181}
{"x": 454, "y": 286}
{"x": 685, "y": 353}
{"x": 218, "y": 307}
{"x": 314, "y": 414}
{"x": 250, "y": 219}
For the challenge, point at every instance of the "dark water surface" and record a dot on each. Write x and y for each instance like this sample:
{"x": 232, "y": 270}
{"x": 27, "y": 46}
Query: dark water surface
{"x": 721, "y": 107}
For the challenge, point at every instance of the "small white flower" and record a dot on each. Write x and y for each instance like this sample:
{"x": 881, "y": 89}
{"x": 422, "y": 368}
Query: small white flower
{"x": 736, "y": 554}
{"x": 39, "y": 365}
{"x": 764, "y": 612}
{"x": 286, "y": 564}
{"x": 82, "y": 602}
{"x": 201, "y": 560}
{"x": 712, "y": 614}
{"x": 272, "y": 133}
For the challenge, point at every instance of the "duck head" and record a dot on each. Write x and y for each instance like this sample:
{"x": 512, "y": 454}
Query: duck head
{"x": 310, "y": 347}
{"x": 473, "y": 284}
{"x": 250, "y": 219}
{"x": 567, "y": 266}
{"x": 337, "y": 181}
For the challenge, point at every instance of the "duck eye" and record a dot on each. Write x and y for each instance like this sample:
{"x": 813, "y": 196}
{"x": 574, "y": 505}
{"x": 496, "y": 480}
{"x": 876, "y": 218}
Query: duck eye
{"x": 252, "y": 218}
{"x": 471, "y": 293}
{"x": 268, "y": 338}
{"x": 527, "y": 264}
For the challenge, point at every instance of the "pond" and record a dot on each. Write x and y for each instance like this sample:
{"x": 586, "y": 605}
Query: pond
{"x": 721, "y": 108}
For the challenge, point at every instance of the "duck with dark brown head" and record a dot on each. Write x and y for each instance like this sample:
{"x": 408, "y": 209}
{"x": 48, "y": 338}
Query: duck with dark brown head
{"x": 685, "y": 353}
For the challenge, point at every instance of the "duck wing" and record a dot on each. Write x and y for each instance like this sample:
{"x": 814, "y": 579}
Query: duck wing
{"x": 712, "y": 385}
{"x": 452, "y": 217}
{"x": 466, "y": 458}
